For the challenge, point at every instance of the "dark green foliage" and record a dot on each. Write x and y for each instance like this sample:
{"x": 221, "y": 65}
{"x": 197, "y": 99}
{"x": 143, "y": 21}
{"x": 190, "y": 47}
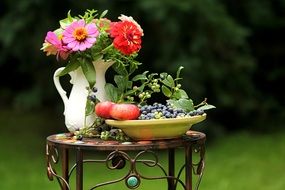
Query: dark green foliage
{"x": 232, "y": 52}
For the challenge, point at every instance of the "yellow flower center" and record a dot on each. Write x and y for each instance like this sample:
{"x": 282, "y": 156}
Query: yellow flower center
{"x": 60, "y": 36}
{"x": 80, "y": 34}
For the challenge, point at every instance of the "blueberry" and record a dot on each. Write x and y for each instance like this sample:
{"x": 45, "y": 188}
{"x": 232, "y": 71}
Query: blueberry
{"x": 160, "y": 105}
{"x": 150, "y": 115}
{"x": 179, "y": 110}
{"x": 99, "y": 129}
{"x": 168, "y": 115}
{"x": 200, "y": 112}
{"x": 79, "y": 137}
{"x": 94, "y": 89}
{"x": 194, "y": 112}
{"x": 148, "y": 108}
{"x": 113, "y": 132}
{"x": 170, "y": 110}
{"x": 106, "y": 127}
{"x": 92, "y": 97}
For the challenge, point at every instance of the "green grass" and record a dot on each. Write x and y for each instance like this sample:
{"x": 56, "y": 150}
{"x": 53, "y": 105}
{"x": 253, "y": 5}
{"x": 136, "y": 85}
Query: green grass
{"x": 244, "y": 161}
{"x": 237, "y": 161}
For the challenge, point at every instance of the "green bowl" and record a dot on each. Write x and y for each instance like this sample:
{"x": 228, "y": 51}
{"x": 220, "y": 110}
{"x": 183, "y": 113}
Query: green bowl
{"x": 156, "y": 129}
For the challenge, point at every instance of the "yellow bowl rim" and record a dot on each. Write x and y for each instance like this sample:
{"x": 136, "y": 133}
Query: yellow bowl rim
{"x": 122, "y": 123}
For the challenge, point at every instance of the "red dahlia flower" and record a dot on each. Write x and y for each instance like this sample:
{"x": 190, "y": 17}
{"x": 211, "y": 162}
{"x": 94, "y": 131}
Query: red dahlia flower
{"x": 127, "y": 36}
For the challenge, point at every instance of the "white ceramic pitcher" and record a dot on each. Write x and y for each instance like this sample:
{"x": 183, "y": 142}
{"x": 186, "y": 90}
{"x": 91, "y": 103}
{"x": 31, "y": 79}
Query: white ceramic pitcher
{"x": 74, "y": 105}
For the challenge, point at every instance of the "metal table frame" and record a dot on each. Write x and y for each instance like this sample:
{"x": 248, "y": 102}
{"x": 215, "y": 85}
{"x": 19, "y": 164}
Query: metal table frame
{"x": 59, "y": 147}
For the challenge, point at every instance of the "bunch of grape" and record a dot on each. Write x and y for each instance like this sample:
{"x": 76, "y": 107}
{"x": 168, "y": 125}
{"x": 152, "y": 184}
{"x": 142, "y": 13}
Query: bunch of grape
{"x": 161, "y": 111}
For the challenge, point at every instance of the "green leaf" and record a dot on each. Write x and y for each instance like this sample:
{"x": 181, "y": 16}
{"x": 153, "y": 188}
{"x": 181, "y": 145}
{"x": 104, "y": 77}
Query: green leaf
{"x": 152, "y": 75}
{"x": 67, "y": 21}
{"x": 58, "y": 31}
{"x": 177, "y": 79}
{"x": 168, "y": 81}
{"x": 120, "y": 69}
{"x": 139, "y": 77}
{"x": 145, "y": 72}
{"x": 130, "y": 92}
{"x": 185, "y": 104}
{"x": 71, "y": 66}
{"x": 69, "y": 16}
{"x": 129, "y": 84}
{"x": 180, "y": 94}
{"x": 141, "y": 88}
{"x": 103, "y": 13}
{"x": 133, "y": 67}
{"x": 179, "y": 71}
{"x": 163, "y": 75}
{"x": 89, "y": 15}
{"x": 96, "y": 56}
{"x": 89, "y": 71}
{"x": 121, "y": 81}
{"x": 89, "y": 108}
{"x": 112, "y": 92}
{"x": 183, "y": 94}
{"x": 206, "y": 107}
{"x": 166, "y": 91}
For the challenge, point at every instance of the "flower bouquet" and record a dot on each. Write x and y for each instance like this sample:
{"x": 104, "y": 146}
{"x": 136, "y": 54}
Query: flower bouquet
{"x": 90, "y": 44}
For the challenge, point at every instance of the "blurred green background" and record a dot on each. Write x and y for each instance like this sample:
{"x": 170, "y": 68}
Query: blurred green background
{"x": 233, "y": 53}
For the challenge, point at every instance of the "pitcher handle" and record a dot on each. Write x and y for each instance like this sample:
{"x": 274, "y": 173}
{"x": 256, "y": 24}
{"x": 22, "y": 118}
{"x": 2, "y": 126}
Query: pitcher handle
{"x": 58, "y": 86}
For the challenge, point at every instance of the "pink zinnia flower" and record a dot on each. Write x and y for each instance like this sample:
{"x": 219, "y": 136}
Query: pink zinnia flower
{"x": 54, "y": 46}
{"x": 80, "y": 36}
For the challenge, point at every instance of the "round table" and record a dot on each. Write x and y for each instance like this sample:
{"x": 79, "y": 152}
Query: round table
{"x": 60, "y": 146}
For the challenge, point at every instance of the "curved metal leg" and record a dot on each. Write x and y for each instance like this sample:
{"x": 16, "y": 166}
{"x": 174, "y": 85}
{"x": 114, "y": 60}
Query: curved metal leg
{"x": 64, "y": 166}
{"x": 79, "y": 169}
{"x": 52, "y": 157}
{"x": 198, "y": 168}
{"x": 171, "y": 168}
{"x": 188, "y": 167}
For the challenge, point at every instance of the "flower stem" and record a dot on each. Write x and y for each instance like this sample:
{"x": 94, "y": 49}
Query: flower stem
{"x": 107, "y": 48}
{"x": 204, "y": 102}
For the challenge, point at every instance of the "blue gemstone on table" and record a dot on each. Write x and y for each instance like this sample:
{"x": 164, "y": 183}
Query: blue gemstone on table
{"x": 132, "y": 181}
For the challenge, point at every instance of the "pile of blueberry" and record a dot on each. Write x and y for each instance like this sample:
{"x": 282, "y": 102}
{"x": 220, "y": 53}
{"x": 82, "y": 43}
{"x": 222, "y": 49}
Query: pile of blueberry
{"x": 161, "y": 111}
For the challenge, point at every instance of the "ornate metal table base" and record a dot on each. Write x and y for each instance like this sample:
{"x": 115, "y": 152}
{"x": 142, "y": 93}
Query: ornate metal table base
{"x": 118, "y": 157}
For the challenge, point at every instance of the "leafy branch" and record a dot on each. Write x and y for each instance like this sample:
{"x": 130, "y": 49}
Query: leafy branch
{"x": 141, "y": 87}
